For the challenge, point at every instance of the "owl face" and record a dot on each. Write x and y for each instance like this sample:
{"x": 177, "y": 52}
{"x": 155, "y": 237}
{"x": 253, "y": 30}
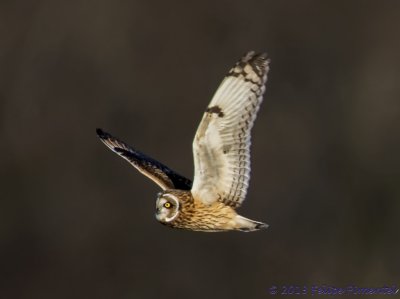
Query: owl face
{"x": 167, "y": 208}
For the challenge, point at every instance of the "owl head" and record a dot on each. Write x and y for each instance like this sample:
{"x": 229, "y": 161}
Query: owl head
{"x": 167, "y": 207}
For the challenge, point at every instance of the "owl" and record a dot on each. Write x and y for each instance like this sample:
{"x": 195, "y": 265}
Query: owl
{"x": 221, "y": 150}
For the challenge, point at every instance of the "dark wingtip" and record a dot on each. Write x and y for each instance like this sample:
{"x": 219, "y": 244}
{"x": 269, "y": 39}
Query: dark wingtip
{"x": 253, "y": 55}
{"x": 101, "y": 133}
{"x": 259, "y": 62}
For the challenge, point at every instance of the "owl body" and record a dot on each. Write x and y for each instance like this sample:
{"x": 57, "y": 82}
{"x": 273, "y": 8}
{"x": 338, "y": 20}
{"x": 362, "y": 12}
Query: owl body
{"x": 221, "y": 151}
{"x": 178, "y": 209}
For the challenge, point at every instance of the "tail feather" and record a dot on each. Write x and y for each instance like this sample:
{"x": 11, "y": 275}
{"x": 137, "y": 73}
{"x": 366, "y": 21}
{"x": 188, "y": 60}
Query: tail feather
{"x": 248, "y": 225}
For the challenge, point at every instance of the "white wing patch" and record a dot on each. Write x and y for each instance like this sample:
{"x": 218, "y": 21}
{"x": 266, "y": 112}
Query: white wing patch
{"x": 221, "y": 147}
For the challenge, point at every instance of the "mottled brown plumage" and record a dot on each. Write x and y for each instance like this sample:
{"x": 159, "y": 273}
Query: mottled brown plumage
{"x": 195, "y": 215}
{"x": 221, "y": 150}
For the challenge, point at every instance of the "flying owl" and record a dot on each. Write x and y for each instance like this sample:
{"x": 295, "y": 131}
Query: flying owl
{"x": 221, "y": 150}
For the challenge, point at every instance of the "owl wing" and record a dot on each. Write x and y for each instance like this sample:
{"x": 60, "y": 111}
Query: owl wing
{"x": 163, "y": 176}
{"x": 221, "y": 146}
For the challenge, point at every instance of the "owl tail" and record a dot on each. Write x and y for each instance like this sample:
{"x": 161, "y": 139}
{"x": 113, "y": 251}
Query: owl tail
{"x": 248, "y": 225}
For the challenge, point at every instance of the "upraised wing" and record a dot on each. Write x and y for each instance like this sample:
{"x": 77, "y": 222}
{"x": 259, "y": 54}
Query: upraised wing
{"x": 162, "y": 175}
{"x": 221, "y": 147}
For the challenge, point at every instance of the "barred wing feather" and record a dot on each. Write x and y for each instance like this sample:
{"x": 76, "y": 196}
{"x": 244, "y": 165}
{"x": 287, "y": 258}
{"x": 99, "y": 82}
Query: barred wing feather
{"x": 159, "y": 173}
{"x": 221, "y": 146}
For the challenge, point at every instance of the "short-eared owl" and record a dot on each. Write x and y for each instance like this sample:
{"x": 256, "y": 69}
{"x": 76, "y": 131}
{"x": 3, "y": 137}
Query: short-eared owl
{"x": 221, "y": 150}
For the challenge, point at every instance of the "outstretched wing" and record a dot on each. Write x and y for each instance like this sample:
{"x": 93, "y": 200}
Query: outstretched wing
{"x": 221, "y": 147}
{"x": 163, "y": 176}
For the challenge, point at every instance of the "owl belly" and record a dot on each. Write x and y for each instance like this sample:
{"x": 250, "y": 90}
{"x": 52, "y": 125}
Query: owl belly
{"x": 209, "y": 218}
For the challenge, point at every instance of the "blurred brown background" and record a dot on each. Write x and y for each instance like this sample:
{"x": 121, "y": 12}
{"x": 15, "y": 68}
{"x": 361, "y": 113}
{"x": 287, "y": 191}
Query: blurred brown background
{"x": 76, "y": 221}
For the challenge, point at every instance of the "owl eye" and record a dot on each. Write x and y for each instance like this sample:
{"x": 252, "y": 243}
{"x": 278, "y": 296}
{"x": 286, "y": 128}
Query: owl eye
{"x": 167, "y": 205}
